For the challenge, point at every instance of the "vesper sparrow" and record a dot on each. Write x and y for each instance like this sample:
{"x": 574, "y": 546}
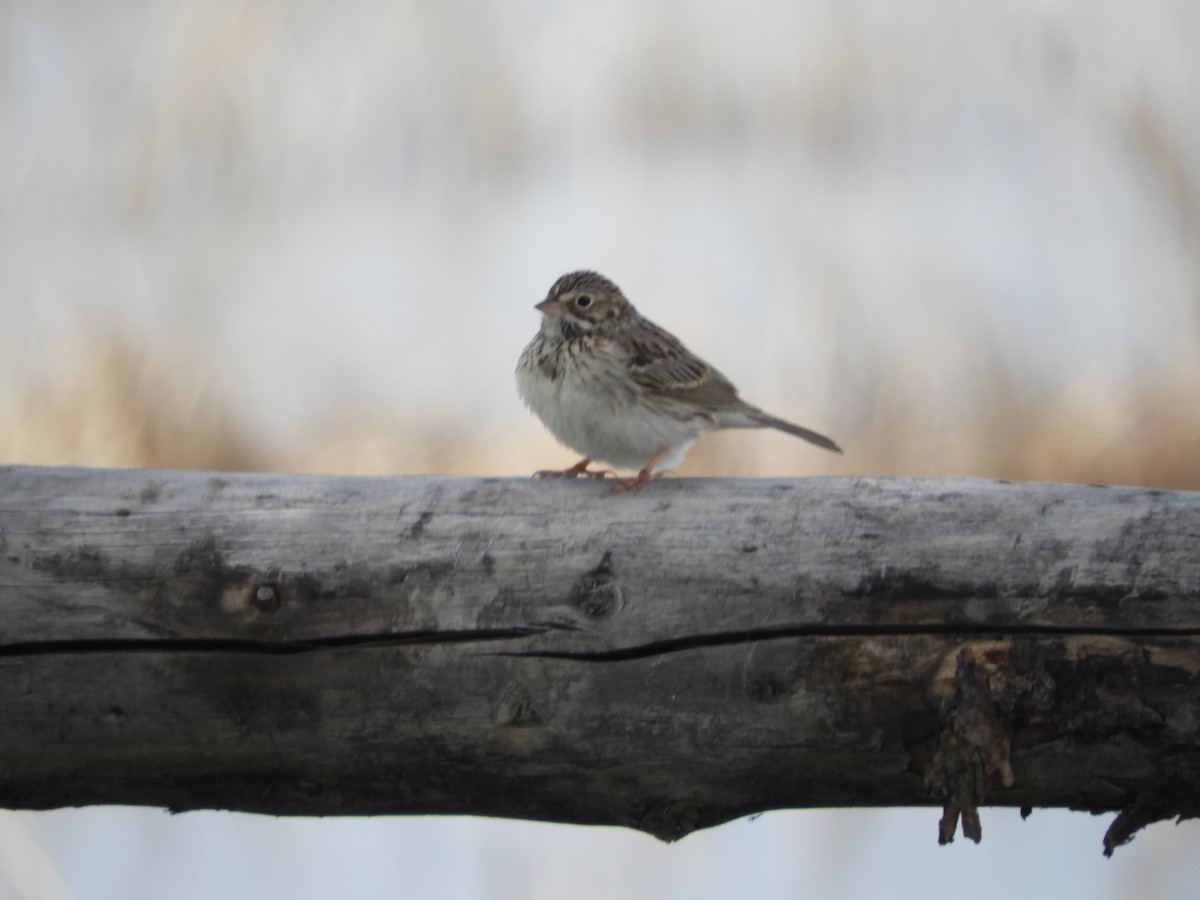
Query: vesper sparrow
{"x": 615, "y": 387}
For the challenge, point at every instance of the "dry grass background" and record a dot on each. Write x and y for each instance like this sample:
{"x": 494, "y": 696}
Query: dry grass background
{"x": 214, "y": 178}
{"x": 113, "y": 402}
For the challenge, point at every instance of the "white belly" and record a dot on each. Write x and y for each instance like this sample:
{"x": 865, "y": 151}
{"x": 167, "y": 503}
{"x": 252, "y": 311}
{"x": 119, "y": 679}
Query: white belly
{"x": 585, "y": 412}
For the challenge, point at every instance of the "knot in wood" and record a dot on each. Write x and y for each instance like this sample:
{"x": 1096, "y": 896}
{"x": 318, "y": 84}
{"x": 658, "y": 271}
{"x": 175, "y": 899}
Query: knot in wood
{"x": 266, "y": 598}
{"x": 598, "y": 593}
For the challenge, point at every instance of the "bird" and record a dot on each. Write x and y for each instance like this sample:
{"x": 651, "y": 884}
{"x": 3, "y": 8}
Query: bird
{"x": 611, "y": 385}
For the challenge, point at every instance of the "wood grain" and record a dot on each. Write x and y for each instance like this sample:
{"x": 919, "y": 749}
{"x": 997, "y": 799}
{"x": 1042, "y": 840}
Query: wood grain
{"x": 666, "y": 659}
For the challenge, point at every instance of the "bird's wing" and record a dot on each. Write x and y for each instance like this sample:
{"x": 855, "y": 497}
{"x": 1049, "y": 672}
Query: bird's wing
{"x": 660, "y": 364}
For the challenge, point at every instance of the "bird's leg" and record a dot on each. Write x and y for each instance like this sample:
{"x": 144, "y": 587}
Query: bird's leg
{"x": 579, "y": 469}
{"x": 647, "y": 474}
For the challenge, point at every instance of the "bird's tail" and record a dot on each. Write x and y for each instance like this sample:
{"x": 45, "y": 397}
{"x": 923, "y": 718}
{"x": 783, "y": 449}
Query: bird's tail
{"x": 769, "y": 421}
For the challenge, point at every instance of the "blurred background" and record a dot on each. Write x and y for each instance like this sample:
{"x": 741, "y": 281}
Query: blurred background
{"x": 962, "y": 239}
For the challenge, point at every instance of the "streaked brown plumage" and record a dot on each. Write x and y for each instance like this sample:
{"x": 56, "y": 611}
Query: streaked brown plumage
{"x": 612, "y": 385}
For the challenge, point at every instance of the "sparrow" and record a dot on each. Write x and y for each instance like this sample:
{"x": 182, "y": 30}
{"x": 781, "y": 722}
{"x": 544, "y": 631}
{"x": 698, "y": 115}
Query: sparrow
{"x": 618, "y": 389}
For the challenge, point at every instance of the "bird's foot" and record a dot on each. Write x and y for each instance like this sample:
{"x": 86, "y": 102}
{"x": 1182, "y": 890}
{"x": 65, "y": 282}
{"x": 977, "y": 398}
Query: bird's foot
{"x": 632, "y": 484}
{"x": 643, "y": 477}
{"x": 579, "y": 470}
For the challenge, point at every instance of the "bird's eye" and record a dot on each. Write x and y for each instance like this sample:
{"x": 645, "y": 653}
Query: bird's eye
{"x": 583, "y": 302}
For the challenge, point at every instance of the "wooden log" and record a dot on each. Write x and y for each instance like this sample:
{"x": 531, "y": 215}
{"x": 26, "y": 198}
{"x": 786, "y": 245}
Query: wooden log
{"x": 666, "y": 659}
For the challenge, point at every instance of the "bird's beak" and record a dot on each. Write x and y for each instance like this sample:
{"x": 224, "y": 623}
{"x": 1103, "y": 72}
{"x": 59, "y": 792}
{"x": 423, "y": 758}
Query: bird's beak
{"x": 551, "y": 308}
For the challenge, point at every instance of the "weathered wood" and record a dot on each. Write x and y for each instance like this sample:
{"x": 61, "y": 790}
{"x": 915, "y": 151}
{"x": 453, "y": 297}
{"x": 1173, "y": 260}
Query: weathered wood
{"x": 666, "y": 659}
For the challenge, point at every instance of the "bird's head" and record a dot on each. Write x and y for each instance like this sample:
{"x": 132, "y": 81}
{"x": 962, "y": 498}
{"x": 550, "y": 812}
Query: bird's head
{"x": 583, "y": 301}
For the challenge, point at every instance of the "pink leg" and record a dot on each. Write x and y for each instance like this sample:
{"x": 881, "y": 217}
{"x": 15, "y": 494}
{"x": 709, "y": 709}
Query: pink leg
{"x": 579, "y": 469}
{"x": 646, "y": 475}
